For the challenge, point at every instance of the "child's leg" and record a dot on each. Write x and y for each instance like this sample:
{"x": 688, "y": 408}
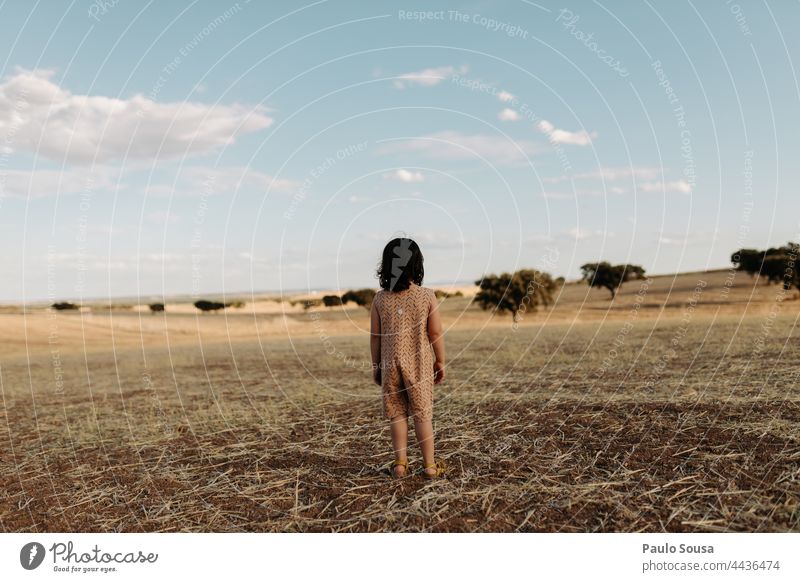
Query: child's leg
{"x": 424, "y": 431}
{"x": 399, "y": 426}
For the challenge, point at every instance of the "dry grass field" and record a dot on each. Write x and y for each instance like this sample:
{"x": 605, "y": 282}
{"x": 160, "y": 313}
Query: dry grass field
{"x": 674, "y": 408}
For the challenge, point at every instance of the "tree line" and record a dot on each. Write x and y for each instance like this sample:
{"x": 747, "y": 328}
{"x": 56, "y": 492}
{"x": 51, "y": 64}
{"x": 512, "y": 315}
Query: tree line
{"x": 527, "y": 289}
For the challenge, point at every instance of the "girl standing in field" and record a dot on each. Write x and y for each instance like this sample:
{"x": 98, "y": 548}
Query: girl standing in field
{"x": 404, "y": 326}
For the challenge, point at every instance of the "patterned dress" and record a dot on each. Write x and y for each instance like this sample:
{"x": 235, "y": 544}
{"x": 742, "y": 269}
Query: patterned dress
{"x": 406, "y": 353}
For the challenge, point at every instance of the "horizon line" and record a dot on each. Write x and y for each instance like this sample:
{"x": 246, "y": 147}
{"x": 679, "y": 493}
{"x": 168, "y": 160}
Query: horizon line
{"x": 295, "y": 291}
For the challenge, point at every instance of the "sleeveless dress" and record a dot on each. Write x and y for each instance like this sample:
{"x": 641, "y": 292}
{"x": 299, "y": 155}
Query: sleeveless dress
{"x": 406, "y": 352}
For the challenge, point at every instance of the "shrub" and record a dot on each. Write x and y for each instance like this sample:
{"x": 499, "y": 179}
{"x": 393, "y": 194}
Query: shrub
{"x": 362, "y": 297}
{"x": 157, "y": 307}
{"x": 205, "y": 306}
{"x": 65, "y": 306}
{"x": 331, "y": 300}
{"x": 445, "y": 295}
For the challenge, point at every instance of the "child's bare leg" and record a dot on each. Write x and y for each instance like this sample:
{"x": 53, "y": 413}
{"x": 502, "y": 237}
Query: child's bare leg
{"x": 424, "y": 431}
{"x": 399, "y": 426}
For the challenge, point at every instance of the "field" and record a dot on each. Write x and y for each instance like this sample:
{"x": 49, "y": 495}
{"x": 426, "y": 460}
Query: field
{"x": 675, "y": 407}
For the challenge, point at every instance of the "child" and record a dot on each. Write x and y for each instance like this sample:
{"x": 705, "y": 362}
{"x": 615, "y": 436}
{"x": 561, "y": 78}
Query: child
{"x": 405, "y": 324}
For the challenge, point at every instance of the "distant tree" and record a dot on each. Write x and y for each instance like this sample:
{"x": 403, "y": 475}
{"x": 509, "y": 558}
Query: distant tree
{"x": 749, "y": 261}
{"x": 157, "y": 307}
{"x": 776, "y": 265}
{"x": 523, "y": 290}
{"x": 65, "y": 306}
{"x": 609, "y": 276}
{"x": 362, "y": 297}
{"x": 309, "y": 303}
{"x": 774, "y": 268}
{"x": 445, "y": 295}
{"x": 331, "y": 300}
{"x": 205, "y": 306}
{"x": 792, "y": 268}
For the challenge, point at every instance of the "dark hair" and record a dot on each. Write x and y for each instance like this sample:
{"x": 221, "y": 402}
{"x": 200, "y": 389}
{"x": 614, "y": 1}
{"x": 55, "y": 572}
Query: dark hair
{"x": 401, "y": 265}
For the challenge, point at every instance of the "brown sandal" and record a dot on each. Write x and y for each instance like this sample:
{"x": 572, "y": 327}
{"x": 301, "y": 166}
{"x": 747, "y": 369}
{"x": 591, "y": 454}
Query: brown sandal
{"x": 440, "y": 469}
{"x": 399, "y": 463}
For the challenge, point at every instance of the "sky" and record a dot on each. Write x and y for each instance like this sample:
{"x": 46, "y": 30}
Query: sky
{"x": 151, "y": 149}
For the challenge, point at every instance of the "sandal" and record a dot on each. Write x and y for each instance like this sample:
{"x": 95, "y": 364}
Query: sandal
{"x": 399, "y": 463}
{"x": 438, "y": 465}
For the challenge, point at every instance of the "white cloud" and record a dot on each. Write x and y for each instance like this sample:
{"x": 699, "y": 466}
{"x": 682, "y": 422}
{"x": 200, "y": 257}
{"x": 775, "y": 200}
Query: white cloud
{"x": 508, "y": 114}
{"x": 80, "y": 129}
{"x": 578, "y": 233}
{"x": 613, "y": 174}
{"x": 610, "y": 174}
{"x": 456, "y": 146}
{"x": 403, "y": 175}
{"x": 685, "y": 238}
{"x": 584, "y": 234}
{"x": 41, "y": 183}
{"x": 505, "y": 96}
{"x": 562, "y": 136}
{"x": 681, "y": 186}
{"x": 581, "y": 192}
{"x": 427, "y": 77}
{"x": 196, "y": 181}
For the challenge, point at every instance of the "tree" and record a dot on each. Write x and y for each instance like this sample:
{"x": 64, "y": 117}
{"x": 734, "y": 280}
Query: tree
{"x": 749, "y": 261}
{"x": 65, "y": 306}
{"x": 362, "y": 297}
{"x": 331, "y": 300}
{"x": 157, "y": 307}
{"x": 609, "y": 276}
{"x": 523, "y": 290}
{"x": 205, "y": 306}
{"x": 776, "y": 265}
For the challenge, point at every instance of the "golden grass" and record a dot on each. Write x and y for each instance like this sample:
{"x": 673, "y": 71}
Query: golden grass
{"x": 243, "y": 423}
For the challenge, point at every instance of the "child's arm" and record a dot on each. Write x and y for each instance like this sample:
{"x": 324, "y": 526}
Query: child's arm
{"x": 375, "y": 343}
{"x": 436, "y": 338}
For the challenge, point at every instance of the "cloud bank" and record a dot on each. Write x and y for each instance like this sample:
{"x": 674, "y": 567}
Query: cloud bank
{"x": 44, "y": 119}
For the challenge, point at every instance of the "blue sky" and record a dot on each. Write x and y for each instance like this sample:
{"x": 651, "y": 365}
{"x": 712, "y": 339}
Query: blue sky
{"x": 199, "y": 147}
